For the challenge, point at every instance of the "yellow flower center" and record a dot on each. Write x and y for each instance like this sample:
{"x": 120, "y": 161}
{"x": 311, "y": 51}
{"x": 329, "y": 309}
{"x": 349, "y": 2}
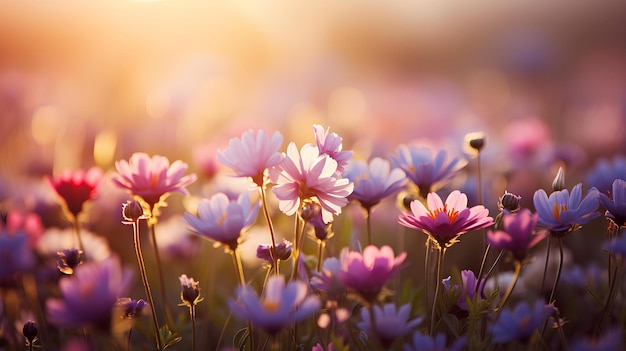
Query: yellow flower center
{"x": 271, "y": 305}
{"x": 452, "y": 213}
{"x": 556, "y": 212}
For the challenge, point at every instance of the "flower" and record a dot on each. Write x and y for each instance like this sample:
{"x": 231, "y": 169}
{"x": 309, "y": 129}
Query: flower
{"x": 312, "y": 215}
{"x": 616, "y": 246}
{"x": 610, "y": 340}
{"x": 190, "y": 291}
{"x": 327, "y": 281}
{"x": 68, "y": 260}
{"x": 280, "y": 305}
{"x": 563, "y": 213}
{"x": 17, "y": 257}
{"x": 390, "y": 323}
{"x": 422, "y": 169}
{"x": 616, "y": 207}
{"x": 331, "y": 144}
{"x": 89, "y": 295}
{"x": 283, "y": 251}
{"x": 152, "y": 178}
{"x": 517, "y": 235}
{"x": 30, "y": 332}
{"x": 130, "y": 308}
{"x": 367, "y": 273}
{"x": 223, "y": 220}
{"x": 509, "y": 202}
{"x": 444, "y": 223}
{"x": 252, "y": 154}
{"x": 307, "y": 175}
{"x": 520, "y": 323}
{"x": 55, "y": 240}
{"x": 605, "y": 172}
{"x": 424, "y": 342}
{"x": 76, "y": 188}
{"x": 468, "y": 289}
{"x": 374, "y": 181}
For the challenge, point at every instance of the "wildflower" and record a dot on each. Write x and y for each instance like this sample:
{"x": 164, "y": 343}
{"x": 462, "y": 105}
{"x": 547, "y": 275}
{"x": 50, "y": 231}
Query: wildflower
{"x": 29, "y": 224}
{"x": 251, "y": 155}
{"x": 616, "y": 246}
{"x": 390, "y": 323}
{"x": 312, "y": 214}
{"x": 422, "y": 169}
{"x": 616, "y": 207}
{"x": 307, "y": 175}
{"x": 17, "y": 257}
{"x": 605, "y": 172}
{"x": 319, "y": 347}
{"x": 130, "y": 308}
{"x": 223, "y": 220}
{"x": 280, "y": 306}
{"x": 89, "y": 295}
{"x": 283, "y": 251}
{"x": 563, "y": 213}
{"x": 610, "y": 340}
{"x": 331, "y": 144}
{"x": 30, "y": 332}
{"x": 424, "y": 342}
{"x": 327, "y": 281}
{"x": 76, "y": 188}
{"x": 152, "y": 178}
{"x": 520, "y": 323}
{"x": 517, "y": 235}
{"x": 367, "y": 273}
{"x": 132, "y": 211}
{"x": 190, "y": 291}
{"x": 374, "y": 181}
{"x": 468, "y": 289}
{"x": 68, "y": 260}
{"x": 55, "y": 240}
{"x": 444, "y": 223}
{"x": 509, "y": 203}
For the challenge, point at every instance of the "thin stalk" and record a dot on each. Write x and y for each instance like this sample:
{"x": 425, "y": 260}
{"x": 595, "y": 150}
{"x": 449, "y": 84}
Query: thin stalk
{"x": 79, "y": 241}
{"x": 482, "y": 265}
{"x": 558, "y": 272}
{"x": 130, "y": 334}
{"x": 320, "y": 254}
{"x": 494, "y": 265}
{"x": 375, "y": 335}
{"x": 298, "y": 239}
{"x": 609, "y": 297}
{"x": 516, "y": 274}
{"x": 545, "y": 268}
{"x": 441, "y": 254}
{"x": 192, "y": 315}
{"x": 427, "y": 271}
{"x": 157, "y": 256}
{"x": 146, "y": 285}
{"x": 270, "y": 226}
{"x": 368, "y": 224}
{"x": 242, "y": 280}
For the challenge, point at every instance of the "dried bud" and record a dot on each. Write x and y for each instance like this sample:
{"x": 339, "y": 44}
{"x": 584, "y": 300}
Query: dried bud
{"x": 558, "y": 183}
{"x": 190, "y": 291}
{"x": 509, "y": 202}
{"x": 310, "y": 210}
{"x": 68, "y": 260}
{"x": 132, "y": 211}
{"x": 30, "y": 332}
{"x": 476, "y": 140}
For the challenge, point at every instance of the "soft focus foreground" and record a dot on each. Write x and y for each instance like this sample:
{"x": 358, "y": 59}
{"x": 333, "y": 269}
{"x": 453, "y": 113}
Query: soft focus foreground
{"x": 193, "y": 175}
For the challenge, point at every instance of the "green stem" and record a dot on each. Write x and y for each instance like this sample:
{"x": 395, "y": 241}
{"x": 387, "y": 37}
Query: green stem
{"x": 440, "y": 256}
{"x": 482, "y": 266}
{"x": 242, "y": 280}
{"x": 298, "y": 239}
{"x": 545, "y": 268}
{"x": 375, "y": 336}
{"x": 507, "y": 294}
{"x": 271, "y": 228}
{"x": 427, "y": 269}
{"x": 77, "y": 238}
{"x": 157, "y": 256}
{"x": 320, "y": 254}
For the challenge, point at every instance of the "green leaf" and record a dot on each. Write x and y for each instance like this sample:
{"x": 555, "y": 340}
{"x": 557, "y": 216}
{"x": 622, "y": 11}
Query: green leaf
{"x": 168, "y": 337}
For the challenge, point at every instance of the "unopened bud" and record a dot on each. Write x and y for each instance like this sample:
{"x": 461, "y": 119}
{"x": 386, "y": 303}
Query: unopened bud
{"x": 558, "y": 183}
{"x": 132, "y": 211}
{"x": 190, "y": 291}
{"x": 30, "y": 332}
{"x": 509, "y": 202}
{"x": 310, "y": 211}
{"x": 68, "y": 260}
{"x": 476, "y": 140}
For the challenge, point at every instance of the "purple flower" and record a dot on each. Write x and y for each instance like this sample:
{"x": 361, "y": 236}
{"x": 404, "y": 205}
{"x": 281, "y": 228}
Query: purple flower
{"x": 327, "y": 281}
{"x": 283, "y": 251}
{"x": 390, "y": 323}
{"x": 516, "y": 235}
{"x": 331, "y": 144}
{"x": 424, "y": 342}
{"x": 189, "y": 291}
{"x": 367, "y": 273}
{"x": 89, "y": 295}
{"x": 609, "y": 341}
{"x": 616, "y": 246}
{"x": 605, "y": 172}
{"x": 17, "y": 257}
{"x": 76, "y": 188}
{"x": 223, "y": 220}
{"x": 616, "y": 207}
{"x": 307, "y": 175}
{"x": 373, "y": 182}
{"x": 422, "y": 169}
{"x": 152, "y": 178}
{"x": 520, "y": 323}
{"x": 130, "y": 308}
{"x": 281, "y": 304}
{"x": 563, "y": 213}
{"x": 468, "y": 289}
{"x": 251, "y": 155}
{"x": 444, "y": 223}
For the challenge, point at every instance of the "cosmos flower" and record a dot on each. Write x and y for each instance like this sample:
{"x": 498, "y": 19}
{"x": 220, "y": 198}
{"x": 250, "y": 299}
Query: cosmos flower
{"x": 517, "y": 234}
{"x": 307, "y": 175}
{"x": 374, "y": 181}
{"x": 444, "y": 223}
{"x": 331, "y": 144}
{"x": 616, "y": 206}
{"x": 152, "y": 178}
{"x": 367, "y": 273}
{"x": 604, "y": 173}
{"x": 563, "y": 212}
{"x": 520, "y": 323}
{"x": 390, "y": 322}
{"x": 327, "y": 281}
{"x": 425, "y": 342}
{"x": 281, "y": 304}
{"x": 252, "y": 154}
{"x": 76, "y": 188}
{"x": 424, "y": 170}
{"x": 223, "y": 220}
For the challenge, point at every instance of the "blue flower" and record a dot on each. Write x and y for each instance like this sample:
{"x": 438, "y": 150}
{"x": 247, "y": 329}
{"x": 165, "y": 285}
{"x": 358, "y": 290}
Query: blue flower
{"x": 424, "y": 342}
{"x": 17, "y": 257}
{"x": 605, "y": 172}
{"x": 520, "y": 323}
{"x": 563, "y": 213}
{"x": 617, "y": 246}
{"x": 609, "y": 341}
{"x": 616, "y": 207}
{"x": 390, "y": 323}
{"x": 374, "y": 181}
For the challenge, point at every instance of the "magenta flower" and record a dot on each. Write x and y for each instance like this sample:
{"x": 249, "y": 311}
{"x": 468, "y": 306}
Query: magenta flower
{"x": 76, "y": 188}
{"x": 390, "y": 323}
{"x": 616, "y": 207}
{"x": 251, "y": 155}
{"x": 331, "y": 144}
{"x": 152, "y": 178}
{"x": 374, "y": 181}
{"x": 280, "y": 306}
{"x": 223, "y": 220}
{"x": 468, "y": 288}
{"x": 444, "y": 223}
{"x": 307, "y": 175}
{"x": 367, "y": 273}
{"x": 517, "y": 234}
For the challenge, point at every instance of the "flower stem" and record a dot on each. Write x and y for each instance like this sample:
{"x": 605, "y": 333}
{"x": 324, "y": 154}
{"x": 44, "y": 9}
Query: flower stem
{"x": 238, "y": 266}
{"x": 375, "y": 336}
{"x": 271, "y": 228}
{"x": 441, "y": 254}
{"x": 144, "y": 280}
{"x": 79, "y": 242}
{"x": 297, "y": 247}
{"x": 545, "y": 268}
{"x": 168, "y": 313}
{"x": 558, "y": 272}
{"x": 320, "y": 254}
{"x": 482, "y": 266}
{"x": 192, "y": 316}
{"x": 507, "y": 294}
{"x": 368, "y": 223}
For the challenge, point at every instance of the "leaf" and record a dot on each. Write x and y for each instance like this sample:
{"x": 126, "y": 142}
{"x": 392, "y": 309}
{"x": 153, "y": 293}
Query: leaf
{"x": 168, "y": 337}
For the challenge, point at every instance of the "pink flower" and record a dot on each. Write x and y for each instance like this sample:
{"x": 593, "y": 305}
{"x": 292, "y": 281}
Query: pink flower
{"x": 76, "y": 188}
{"x": 152, "y": 178}
{"x": 251, "y": 155}
{"x": 443, "y": 223}
{"x": 331, "y": 144}
{"x": 307, "y": 175}
{"x": 367, "y": 273}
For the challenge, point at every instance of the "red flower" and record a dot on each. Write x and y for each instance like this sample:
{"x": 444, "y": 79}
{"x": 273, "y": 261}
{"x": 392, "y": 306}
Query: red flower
{"x": 77, "y": 187}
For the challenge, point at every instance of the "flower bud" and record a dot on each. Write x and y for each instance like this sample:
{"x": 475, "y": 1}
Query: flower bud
{"x": 310, "y": 210}
{"x": 509, "y": 202}
{"x": 282, "y": 252}
{"x": 190, "y": 291}
{"x": 130, "y": 308}
{"x": 132, "y": 211}
{"x": 476, "y": 140}
{"x": 68, "y": 260}
{"x": 558, "y": 183}
{"x": 30, "y": 332}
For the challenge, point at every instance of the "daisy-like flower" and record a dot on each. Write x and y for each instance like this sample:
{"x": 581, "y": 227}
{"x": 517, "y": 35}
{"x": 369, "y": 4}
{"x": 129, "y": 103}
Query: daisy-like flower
{"x": 252, "y": 154}
{"x": 425, "y": 342}
{"x": 327, "y": 282}
{"x": 223, "y": 220}
{"x": 152, "y": 178}
{"x": 307, "y": 175}
{"x": 616, "y": 246}
{"x": 605, "y": 172}
{"x": 517, "y": 235}
{"x": 390, "y": 323}
{"x": 563, "y": 212}
{"x": 374, "y": 181}
{"x": 281, "y": 304}
{"x": 520, "y": 323}
{"x": 616, "y": 207}
{"x": 331, "y": 144}
{"x": 367, "y": 273}
{"x": 445, "y": 222}
{"x": 424, "y": 170}
{"x": 76, "y": 188}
